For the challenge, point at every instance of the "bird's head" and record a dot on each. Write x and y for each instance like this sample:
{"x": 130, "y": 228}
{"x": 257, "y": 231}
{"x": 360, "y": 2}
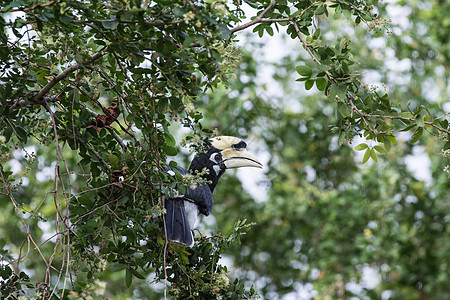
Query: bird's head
{"x": 233, "y": 152}
{"x": 226, "y": 152}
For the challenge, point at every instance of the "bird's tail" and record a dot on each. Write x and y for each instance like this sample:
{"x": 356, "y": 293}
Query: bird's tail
{"x": 178, "y": 229}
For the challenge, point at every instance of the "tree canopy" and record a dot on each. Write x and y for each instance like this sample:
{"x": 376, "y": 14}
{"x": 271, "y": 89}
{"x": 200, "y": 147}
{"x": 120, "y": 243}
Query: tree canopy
{"x": 98, "y": 97}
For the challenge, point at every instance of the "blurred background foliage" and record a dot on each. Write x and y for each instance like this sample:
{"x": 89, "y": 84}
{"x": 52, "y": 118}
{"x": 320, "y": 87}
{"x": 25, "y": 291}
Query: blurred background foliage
{"x": 326, "y": 223}
{"x": 325, "y": 226}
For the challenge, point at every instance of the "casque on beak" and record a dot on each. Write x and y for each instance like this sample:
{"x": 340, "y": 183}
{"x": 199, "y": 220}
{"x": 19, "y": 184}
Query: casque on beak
{"x": 234, "y": 152}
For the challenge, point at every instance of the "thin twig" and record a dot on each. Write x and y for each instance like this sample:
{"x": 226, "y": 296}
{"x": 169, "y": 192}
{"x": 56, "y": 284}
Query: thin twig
{"x": 361, "y": 114}
{"x": 111, "y": 130}
{"x": 308, "y": 49}
{"x": 99, "y": 157}
{"x": 27, "y": 229}
{"x": 354, "y": 7}
{"x": 92, "y": 211}
{"x": 107, "y": 113}
{"x": 166, "y": 243}
{"x": 407, "y": 119}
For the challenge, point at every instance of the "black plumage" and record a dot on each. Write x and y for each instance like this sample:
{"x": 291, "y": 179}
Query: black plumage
{"x": 207, "y": 168}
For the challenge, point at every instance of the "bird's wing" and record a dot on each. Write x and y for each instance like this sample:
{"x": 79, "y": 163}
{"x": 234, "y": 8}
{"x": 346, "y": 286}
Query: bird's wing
{"x": 178, "y": 229}
{"x": 202, "y": 196}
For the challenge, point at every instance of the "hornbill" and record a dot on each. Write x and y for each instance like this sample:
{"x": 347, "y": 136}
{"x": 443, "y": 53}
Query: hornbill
{"x": 225, "y": 152}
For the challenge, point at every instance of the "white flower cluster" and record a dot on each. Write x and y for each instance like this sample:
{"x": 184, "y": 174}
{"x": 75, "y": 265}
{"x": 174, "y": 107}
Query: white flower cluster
{"x": 192, "y": 181}
{"x": 189, "y": 16}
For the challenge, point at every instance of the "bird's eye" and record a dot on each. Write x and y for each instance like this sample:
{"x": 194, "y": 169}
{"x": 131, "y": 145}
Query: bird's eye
{"x": 216, "y": 157}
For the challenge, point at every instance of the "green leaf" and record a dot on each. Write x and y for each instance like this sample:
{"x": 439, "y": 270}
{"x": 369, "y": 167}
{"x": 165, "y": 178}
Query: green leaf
{"x": 380, "y": 138}
{"x": 114, "y": 160}
{"x": 392, "y": 139}
{"x": 92, "y": 223}
{"x": 184, "y": 259}
{"x": 407, "y": 115}
{"x": 387, "y": 145}
{"x": 104, "y": 250}
{"x": 128, "y": 278}
{"x": 178, "y": 11}
{"x": 257, "y": 28}
{"x": 170, "y": 140}
{"x": 66, "y": 19}
{"x": 380, "y": 149}
{"x": 108, "y": 24}
{"x": 269, "y": 30}
{"x": 225, "y": 32}
{"x": 319, "y": 10}
{"x": 367, "y": 17}
{"x": 343, "y": 110}
{"x": 321, "y": 83}
{"x": 21, "y": 134}
{"x": 141, "y": 71}
{"x": 416, "y": 136}
{"x": 366, "y": 156}
{"x": 304, "y": 71}
{"x": 137, "y": 274}
{"x": 446, "y": 146}
{"x": 309, "y": 84}
{"x": 361, "y": 146}
{"x": 421, "y": 121}
{"x": 316, "y": 33}
{"x": 171, "y": 151}
{"x": 188, "y": 41}
{"x": 126, "y": 16}
{"x": 407, "y": 128}
{"x": 296, "y": 13}
{"x": 49, "y": 15}
{"x": 444, "y": 123}
{"x": 175, "y": 103}
{"x": 163, "y": 105}
{"x": 201, "y": 40}
{"x": 373, "y": 154}
{"x": 337, "y": 90}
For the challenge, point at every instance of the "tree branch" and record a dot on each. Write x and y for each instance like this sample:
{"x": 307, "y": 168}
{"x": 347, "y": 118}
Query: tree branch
{"x": 256, "y": 20}
{"x": 156, "y": 24}
{"x": 364, "y": 117}
{"x": 408, "y": 119}
{"x": 259, "y": 18}
{"x": 34, "y": 7}
{"x": 39, "y": 96}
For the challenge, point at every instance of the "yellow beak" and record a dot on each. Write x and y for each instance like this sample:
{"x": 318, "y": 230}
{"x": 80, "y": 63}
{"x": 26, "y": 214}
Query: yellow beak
{"x": 234, "y": 153}
{"x": 233, "y": 158}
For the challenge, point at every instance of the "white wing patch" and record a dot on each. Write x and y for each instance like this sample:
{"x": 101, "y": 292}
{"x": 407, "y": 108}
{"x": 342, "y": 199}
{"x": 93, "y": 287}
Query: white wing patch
{"x": 192, "y": 213}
